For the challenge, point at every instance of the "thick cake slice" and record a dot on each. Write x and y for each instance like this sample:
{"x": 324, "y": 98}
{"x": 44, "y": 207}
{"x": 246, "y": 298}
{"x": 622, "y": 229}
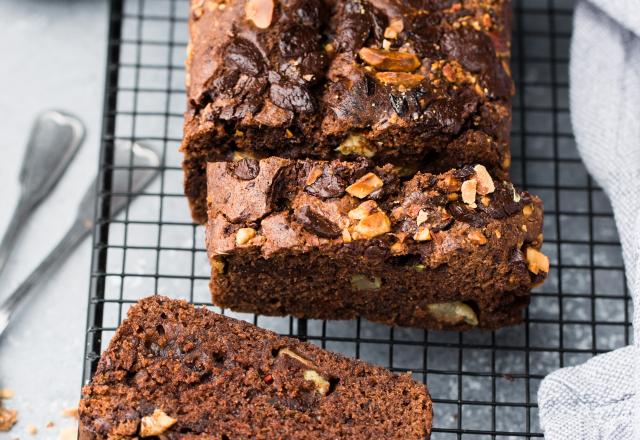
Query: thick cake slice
{"x": 336, "y": 240}
{"x": 173, "y": 371}
{"x": 425, "y": 84}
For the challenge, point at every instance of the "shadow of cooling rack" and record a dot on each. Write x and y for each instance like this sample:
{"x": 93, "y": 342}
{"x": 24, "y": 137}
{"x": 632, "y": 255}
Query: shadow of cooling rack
{"x": 484, "y": 384}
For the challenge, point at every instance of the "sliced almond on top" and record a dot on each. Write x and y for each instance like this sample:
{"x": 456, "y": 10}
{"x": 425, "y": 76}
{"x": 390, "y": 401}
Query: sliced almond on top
{"x": 389, "y": 60}
{"x": 365, "y": 186}
{"x": 260, "y": 12}
{"x": 399, "y": 79}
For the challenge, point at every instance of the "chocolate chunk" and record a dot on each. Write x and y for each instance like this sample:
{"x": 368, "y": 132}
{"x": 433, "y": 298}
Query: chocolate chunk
{"x": 517, "y": 258}
{"x": 464, "y": 172}
{"x": 329, "y": 184}
{"x": 297, "y": 41}
{"x": 437, "y": 219}
{"x": 316, "y": 223}
{"x": 448, "y": 115}
{"x": 476, "y": 52}
{"x": 377, "y": 251}
{"x": 473, "y": 49}
{"x": 423, "y": 30}
{"x": 501, "y": 203}
{"x": 244, "y": 56}
{"x": 460, "y": 212}
{"x": 359, "y": 22}
{"x": 308, "y": 12}
{"x": 245, "y": 169}
{"x": 292, "y": 97}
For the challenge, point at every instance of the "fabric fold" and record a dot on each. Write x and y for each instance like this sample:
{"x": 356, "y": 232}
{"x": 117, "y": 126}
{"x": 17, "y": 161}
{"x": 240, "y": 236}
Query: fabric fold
{"x": 599, "y": 399}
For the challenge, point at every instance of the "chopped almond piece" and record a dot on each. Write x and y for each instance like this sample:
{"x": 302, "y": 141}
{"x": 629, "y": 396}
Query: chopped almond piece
{"x": 537, "y": 261}
{"x": 469, "y": 192}
{"x": 156, "y": 424}
{"x": 365, "y": 186}
{"x": 485, "y": 183}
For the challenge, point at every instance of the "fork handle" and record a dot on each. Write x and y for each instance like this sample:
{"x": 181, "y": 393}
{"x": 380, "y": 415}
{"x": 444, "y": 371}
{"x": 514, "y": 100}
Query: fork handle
{"x": 74, "y": 236}
{"x": 20, "y": 215}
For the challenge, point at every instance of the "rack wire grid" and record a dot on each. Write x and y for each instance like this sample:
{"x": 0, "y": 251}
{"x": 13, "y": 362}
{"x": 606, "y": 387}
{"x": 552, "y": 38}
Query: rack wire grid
{"x": 483, "y": 384}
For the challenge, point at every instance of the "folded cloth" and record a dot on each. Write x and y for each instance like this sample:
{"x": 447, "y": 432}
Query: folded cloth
{"x": 600, "y": 399}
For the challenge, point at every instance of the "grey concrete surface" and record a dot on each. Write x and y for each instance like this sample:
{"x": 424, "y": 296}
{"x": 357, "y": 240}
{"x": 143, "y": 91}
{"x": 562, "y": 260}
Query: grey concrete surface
{"x": 53, "y": 56}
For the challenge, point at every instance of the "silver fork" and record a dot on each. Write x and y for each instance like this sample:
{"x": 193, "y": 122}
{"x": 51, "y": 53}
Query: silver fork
{"x": 135, "y": 166}
{"x": 55, "y": 138}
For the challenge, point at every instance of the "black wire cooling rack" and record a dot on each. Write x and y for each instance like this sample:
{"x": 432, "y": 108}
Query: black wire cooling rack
{"x": 483, "y": 384}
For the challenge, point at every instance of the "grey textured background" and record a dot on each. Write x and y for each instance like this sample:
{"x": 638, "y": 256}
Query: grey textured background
{"x": 53, "y": 55}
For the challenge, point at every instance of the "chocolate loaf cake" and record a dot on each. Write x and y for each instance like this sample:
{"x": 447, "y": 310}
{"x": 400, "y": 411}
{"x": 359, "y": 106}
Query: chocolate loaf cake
{"x": 176, "y": 372}
{"x": 425, "y": 85}
{"x": 336, "y": 240}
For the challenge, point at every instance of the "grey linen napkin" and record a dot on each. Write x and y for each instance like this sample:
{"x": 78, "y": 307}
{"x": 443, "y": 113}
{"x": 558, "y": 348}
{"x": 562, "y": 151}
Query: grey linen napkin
{"x": 601, "y": 398}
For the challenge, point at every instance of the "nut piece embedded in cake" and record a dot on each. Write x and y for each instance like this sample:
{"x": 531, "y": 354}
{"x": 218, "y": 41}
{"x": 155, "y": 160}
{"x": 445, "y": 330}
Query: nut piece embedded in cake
{"x": 156, "y": 423}
{"x": 365, "y": 186}
{"x": 477, "y": 237}
{"x": 322, "y": 385}
{"x": 244, "y": 235}
{"x": 423, "y": 234}
{"x": 356, "y": 144}
{"x": 455, "y": 312}
{"x": 362, "y": 282}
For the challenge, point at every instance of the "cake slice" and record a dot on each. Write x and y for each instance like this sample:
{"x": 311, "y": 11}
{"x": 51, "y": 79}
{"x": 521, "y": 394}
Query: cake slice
{"x": 425, "y": 84}
{"x": 173, "y": 371}
{"x": 337, "y": 240}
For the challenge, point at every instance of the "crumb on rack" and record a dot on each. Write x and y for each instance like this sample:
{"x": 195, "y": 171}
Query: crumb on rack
{"x": 8, "y": 418}
{"x": 70, "y": 412}
{"x": 68, "y": 433}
